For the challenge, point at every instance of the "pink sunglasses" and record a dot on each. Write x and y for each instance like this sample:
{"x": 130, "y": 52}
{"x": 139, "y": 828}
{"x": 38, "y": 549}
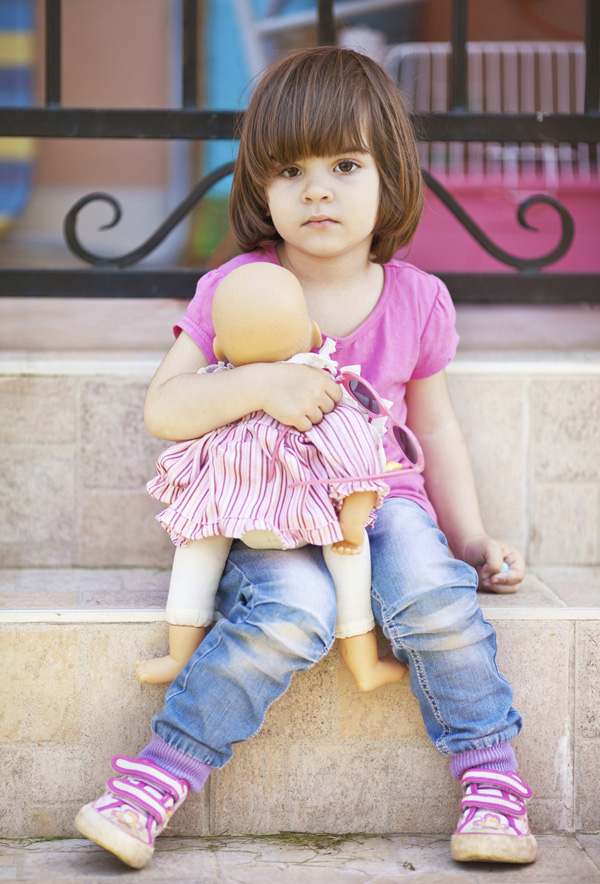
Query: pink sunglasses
{"x": 368, "y": 398}
{"x": 363, "y": 393}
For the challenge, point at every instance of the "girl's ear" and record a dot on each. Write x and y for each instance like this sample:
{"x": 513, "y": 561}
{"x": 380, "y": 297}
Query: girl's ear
{"x": 317, "y": 337}
{"x": 219, "y": 353}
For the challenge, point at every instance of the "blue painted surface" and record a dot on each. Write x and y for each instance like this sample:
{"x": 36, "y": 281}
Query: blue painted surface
{"x": 16, "y": 90}
{"x": 16, "y": 15}
{"x": 227, "y": 73}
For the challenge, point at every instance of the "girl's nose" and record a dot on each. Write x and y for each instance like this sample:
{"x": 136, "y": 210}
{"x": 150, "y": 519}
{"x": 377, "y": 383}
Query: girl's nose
{"x": 316, "y": 189}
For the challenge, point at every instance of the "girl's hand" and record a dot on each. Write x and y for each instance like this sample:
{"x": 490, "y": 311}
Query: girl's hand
{"x": 487, "y": 556}
{"x": 298, "y": 395}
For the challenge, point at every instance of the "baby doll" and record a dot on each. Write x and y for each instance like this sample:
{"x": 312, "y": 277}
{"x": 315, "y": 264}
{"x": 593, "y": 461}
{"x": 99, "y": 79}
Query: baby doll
{"x": 254, "y": 480}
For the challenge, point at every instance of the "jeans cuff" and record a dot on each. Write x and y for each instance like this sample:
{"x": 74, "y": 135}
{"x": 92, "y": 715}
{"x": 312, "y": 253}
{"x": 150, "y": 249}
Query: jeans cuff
{"x": 183, "y": 766}
{"x": 500, "y": 757}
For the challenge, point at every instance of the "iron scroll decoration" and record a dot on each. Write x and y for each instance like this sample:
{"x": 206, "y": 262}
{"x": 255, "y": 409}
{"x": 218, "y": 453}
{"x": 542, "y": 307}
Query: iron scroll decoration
{"x": 522, "y": 264}
{"x": 172, "y": 220}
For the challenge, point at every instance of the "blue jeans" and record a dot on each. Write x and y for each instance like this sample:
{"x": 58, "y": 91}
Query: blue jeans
{"x": 280, "y": 610}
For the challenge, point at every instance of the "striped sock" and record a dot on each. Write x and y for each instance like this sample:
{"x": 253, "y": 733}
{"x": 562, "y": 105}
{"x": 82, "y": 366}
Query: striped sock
{"x": 183, "y": 766}
{"x": 500, "y": 757}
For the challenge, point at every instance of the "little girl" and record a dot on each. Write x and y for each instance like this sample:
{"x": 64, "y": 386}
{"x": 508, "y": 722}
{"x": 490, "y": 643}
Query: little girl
{"x": 327, "y": 184}
{"x": 255, "y": 480}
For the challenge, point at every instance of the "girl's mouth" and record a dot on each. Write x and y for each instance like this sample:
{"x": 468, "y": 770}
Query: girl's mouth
{"x": 319, "y": 221}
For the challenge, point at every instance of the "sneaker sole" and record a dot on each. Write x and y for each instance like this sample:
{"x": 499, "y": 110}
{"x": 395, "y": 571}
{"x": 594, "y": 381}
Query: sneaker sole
{"x": 128, "y": 849}
{"x": 494, "y": 848}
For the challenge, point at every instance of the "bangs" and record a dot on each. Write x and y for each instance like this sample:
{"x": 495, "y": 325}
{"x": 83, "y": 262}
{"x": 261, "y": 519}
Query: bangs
{"x": 306, "y": 135}
{"x": 303, "y": 119}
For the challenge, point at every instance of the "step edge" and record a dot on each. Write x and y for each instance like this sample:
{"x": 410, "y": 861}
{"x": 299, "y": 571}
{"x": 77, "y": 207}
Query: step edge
{"x": 152, "y": 615}
{"x": 115, "y": 615}
{"x": 587, "y": 364}
{"x": 60, "y": 367}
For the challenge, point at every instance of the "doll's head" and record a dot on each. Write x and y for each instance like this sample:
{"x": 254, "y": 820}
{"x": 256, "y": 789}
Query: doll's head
{"x": 260, "y": 315}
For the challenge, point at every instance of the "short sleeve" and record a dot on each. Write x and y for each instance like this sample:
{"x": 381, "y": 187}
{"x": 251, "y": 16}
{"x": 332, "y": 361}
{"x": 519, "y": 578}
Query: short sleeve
{"x": 439, "y": 338}
{"x": 197, "y": 321}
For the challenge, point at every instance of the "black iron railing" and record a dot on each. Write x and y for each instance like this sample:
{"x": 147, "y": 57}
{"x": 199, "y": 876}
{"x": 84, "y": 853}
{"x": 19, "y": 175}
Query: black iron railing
{"x": 114, "y": 276}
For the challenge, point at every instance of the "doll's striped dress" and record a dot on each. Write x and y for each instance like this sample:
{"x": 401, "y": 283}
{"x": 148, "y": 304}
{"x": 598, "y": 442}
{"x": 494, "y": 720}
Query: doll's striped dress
{"x": 240, "y": 478}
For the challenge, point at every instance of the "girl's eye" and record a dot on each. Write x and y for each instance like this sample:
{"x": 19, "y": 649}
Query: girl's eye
{"x": 290, "y": 172}
{"x": 346, "y": 166}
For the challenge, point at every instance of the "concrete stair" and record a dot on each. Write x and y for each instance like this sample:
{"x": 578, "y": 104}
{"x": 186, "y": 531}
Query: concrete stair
{"x": 247, "y": 859}
{"x": 84, "y": 574}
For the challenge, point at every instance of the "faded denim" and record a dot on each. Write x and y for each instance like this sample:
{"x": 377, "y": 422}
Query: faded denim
{"x": 280, "y": 610}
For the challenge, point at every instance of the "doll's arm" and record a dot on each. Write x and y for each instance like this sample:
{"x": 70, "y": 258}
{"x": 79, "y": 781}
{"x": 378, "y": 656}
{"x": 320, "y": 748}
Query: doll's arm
{"x": 451, "y": 486}
{"x": 182, "y": 404}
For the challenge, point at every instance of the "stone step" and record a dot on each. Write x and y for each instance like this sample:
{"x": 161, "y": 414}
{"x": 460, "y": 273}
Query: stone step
{"x": 424, "y": 859}
{"x": 77, "y": 456}
{"x": 328, "y": 758}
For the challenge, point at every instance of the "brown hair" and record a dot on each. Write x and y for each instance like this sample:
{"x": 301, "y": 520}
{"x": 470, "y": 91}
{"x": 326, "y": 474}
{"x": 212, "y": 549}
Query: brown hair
{"x": 320, "y": 102}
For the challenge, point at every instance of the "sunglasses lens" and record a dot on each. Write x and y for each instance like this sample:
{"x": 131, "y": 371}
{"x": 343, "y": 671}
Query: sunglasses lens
{"x": 362, "y": 395}
{"x": 406, "y": 444}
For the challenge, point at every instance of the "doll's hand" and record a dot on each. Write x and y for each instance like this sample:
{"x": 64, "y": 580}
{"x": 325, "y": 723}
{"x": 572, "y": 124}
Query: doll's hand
{"x": 299, "y": 395}
{"x": 488, "y": 556}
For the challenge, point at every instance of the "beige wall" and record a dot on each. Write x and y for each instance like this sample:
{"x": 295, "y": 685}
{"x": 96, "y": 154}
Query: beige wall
{"x": 115, "y": 54}
{"x": 509, "y": 20}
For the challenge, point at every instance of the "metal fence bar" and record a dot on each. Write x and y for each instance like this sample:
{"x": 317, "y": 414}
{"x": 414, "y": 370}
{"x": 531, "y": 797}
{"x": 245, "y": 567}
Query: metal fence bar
{"x": 522, "y": 288}
{"x": 592, "y": 57}
{"x": 193, "y": 123}
{"x": 458, "y": 61}
{"x": 64, "y": 122}
{"x": 325, "y": 23}
{"x": 472, "y": 288}
{"x": 520, "y": 127}
{"x": 190, "y": 53}
{"x": 53, "y": 53}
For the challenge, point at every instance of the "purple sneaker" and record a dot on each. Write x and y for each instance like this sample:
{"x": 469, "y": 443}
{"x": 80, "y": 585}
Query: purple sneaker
{"x": 127, "y": 819}
{"x": 493, "y": 826}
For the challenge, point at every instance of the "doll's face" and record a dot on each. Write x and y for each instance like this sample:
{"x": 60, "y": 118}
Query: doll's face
{"x": 260, "y": 315}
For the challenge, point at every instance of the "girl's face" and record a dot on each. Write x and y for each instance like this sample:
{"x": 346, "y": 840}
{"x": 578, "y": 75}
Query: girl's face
{"x": 326, "y": 207}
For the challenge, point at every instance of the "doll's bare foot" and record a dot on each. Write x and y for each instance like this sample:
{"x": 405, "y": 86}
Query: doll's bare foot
{"x": 159, "y": 670}
{"x": 183, "y": 641}
{"x": 370, "y": 671}
{"x": 388, "y": 671}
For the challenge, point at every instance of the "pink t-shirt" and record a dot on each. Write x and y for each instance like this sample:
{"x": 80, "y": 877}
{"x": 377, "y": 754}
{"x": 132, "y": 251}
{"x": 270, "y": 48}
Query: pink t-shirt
{"x": 409, "y": 334}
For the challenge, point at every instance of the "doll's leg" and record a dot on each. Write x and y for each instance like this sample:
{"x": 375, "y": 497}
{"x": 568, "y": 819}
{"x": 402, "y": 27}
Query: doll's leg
{"x": 197, "y": 570}
{"x": 353, "y": 517}
{"x": 354, "y": 626}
